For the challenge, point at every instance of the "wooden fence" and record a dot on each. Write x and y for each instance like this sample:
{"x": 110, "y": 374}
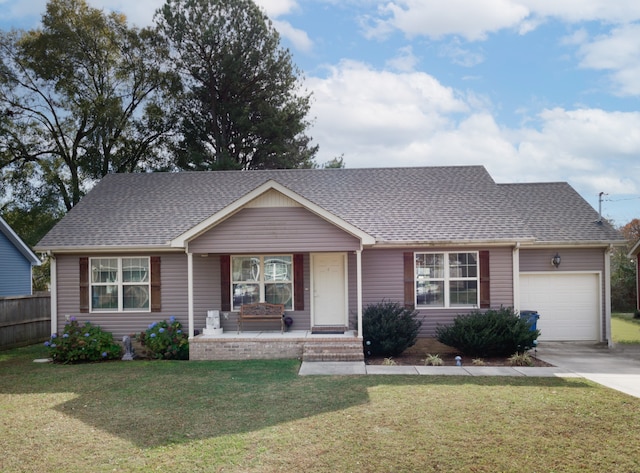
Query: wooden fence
{"x": 24, "y": 320}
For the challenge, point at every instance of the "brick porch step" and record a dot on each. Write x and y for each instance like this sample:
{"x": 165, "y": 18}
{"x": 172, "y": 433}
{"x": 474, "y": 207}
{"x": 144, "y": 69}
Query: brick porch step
{"x": 333, "y": 350}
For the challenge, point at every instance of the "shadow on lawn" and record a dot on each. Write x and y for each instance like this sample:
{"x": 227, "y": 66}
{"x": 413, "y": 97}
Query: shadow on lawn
{"x": 153, "y": 403}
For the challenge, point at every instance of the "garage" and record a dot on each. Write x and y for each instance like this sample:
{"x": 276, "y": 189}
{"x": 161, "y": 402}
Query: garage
{"x": 568, "y": 304}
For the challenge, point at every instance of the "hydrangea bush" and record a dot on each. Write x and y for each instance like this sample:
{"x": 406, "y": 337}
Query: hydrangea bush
{"x": 82, "y": 343}
{"x": 166, "y": 340}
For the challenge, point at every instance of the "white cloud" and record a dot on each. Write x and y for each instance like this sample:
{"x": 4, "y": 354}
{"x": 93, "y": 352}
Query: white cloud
{"x": 619, "y": 52}
{"x": 298, "y": 38}
{"x": 470, "y": 19}
{"x": 276, "y": 8}
{"x": 138, "y": 12}
{"x": 475, "y": 20}
{"x": 575, "y": 11}
{"x": 461, "y": 56}
{"x": 405, "y": 60}
{"x": 379, "y": 118}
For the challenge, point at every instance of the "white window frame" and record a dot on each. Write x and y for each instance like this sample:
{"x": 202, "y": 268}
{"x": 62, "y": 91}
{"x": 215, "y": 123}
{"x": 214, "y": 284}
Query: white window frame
{"x": 261, "y": 279}
{"x": 120, "y": 284}
{"x": 447, "y": 280}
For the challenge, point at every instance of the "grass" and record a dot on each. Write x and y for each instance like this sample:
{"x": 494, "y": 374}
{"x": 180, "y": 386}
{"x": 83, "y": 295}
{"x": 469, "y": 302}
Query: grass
{"x": 624, "y": 328}
{"x": 260, "y": 416}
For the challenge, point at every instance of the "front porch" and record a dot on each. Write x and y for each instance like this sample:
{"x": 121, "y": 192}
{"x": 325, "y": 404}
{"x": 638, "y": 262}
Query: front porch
{"x": 301, "y": 344}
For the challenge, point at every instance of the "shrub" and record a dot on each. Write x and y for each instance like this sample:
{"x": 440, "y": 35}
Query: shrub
{"x": 389, "y": 328}
{"x": 82, "y": 343}
{"x": 433, "y": 360}
{"x": 486, "y": 334}
{"x": 166, "y": 340}
{"x": 521, "y": 359}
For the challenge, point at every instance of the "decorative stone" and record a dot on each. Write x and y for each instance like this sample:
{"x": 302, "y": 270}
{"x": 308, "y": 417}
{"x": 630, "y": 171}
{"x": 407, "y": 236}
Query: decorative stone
{"x": 128, "y": 349}
{"x": 213, "y": 323}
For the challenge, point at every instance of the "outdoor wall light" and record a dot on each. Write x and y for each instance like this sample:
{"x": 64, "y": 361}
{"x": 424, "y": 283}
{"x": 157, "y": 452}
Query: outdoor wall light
{"x": 556, "y": 260}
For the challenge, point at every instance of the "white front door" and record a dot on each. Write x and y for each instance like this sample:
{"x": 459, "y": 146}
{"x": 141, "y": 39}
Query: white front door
{"x": 329, "y": 306}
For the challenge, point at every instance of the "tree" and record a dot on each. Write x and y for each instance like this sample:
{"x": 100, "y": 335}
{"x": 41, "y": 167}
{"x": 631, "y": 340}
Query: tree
{"x": 623, "y": 270}
{"x": 240, "y": 108}
{"x": 81, "y": 98}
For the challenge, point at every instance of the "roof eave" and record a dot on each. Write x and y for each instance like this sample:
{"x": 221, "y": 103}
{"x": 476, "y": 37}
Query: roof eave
{"x": 20, "y": 245}
{"x": 102, "y": 249}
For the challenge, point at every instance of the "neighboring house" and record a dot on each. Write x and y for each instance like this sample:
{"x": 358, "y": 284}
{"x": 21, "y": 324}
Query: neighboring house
{"x": 635, "y": 255}
{"x": 16, "y": 262}
{"x": 328, "y": 242}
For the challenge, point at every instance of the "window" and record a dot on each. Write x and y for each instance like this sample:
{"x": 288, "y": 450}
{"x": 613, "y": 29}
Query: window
{"x": 262, "y": 279}
{"x": 120, "y": 284}
{"x": 446, "y": 279}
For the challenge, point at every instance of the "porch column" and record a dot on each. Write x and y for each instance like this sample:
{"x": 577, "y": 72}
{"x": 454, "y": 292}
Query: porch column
{"x": 190, "y": 292}
{"x": 359, "y": 289}
{"x": 54, "y": 293}
{"x": 515, "y": 261}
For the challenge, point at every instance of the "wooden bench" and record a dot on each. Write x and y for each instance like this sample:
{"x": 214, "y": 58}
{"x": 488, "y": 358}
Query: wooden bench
{"x": 261, "y": 311}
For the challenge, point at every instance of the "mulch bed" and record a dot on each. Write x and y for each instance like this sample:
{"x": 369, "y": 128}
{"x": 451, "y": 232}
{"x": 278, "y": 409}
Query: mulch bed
{"x": 415, "y": 356}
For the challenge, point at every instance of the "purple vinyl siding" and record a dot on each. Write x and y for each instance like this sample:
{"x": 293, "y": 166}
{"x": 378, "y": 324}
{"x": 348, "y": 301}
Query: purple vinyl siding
{"x": 383, "y": 278}
{"x": 173, "y": 291}
{"x": 274, "y": 229}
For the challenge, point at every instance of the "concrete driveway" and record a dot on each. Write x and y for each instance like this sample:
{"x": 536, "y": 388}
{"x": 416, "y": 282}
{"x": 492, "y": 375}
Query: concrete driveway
{"x": 617, "y": 368}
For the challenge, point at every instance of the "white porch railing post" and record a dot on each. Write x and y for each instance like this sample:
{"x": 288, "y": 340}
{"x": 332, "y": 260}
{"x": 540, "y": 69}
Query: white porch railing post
{"x": 359, "y": 289}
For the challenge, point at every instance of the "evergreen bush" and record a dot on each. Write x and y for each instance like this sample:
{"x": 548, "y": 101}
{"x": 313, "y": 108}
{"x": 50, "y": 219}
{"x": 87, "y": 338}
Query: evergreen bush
{"x": 494, "y": 333}
{"x": 389, "y": 329}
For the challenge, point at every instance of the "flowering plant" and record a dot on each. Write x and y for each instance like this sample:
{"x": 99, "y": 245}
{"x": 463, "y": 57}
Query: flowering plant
{"x": 166, "y": 340}
{"x": 82, "y": 343}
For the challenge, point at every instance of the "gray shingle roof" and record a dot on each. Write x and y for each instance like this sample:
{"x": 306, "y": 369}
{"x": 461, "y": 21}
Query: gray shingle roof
{"x": 394, "y": 205}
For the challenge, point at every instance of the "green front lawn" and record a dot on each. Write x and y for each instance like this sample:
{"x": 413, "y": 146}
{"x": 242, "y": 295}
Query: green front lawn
{"x": 260, "y": 416}
{"x": 624, "y": 328}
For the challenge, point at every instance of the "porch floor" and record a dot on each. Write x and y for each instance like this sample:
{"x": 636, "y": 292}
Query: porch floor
{"x": 291, "y": 334}
{"x": 301, "y": 344}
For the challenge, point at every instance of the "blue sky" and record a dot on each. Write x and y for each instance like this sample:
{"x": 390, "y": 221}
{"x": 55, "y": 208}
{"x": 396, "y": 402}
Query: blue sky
{"x": 534, "y": 90}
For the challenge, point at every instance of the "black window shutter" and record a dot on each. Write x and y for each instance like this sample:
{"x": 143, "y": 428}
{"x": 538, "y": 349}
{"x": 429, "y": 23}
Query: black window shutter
{"x": 225, "y": 282}
{"x": 409, "y": 283}
{"x": 84, "y": 284}
{"x": 298, "y": 281}
{"x": 156, "y": 285}
{"x": 485, "y": 281}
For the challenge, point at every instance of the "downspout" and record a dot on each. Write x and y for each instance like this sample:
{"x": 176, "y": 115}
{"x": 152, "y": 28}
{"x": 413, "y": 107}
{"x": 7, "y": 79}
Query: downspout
{"x": 359, "y": 289}
{"x": 515, "y": 261}
{"x": 53, "y": 292}
{"x": 190, "y": 291}
{"x": 607, "y": 295}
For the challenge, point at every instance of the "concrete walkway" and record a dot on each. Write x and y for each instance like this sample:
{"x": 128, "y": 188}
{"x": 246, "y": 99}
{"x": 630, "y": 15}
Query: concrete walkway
{"x": 617, "y": 368}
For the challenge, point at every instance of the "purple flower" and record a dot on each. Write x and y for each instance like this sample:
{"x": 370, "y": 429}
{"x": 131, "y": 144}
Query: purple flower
{"x": 53, "y": 345}
{"x": 47, "y": 343}
{"x": 152, "y": 325}
{"x": 87, "y": 334}
{"x": 172, "y": 319}
{"x": 161, "y": 330}
{"x": 104, "y": 354}
{"x": 66, "y": 335}
{"x": 72, "y": 319}
{"x": 153, "y": 335}
{"x": 179, "y": 331}
{"x": 54, "y": 335}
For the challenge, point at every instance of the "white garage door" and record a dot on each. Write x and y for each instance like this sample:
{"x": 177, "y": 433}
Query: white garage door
{"x": 568, "y": 304}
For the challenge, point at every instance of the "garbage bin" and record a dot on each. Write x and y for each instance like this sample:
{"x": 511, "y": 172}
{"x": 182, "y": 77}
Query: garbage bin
{"x": 531, "y": 316}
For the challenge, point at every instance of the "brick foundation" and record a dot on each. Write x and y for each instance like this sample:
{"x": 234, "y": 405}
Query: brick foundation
{"x": 318, "y": 348}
